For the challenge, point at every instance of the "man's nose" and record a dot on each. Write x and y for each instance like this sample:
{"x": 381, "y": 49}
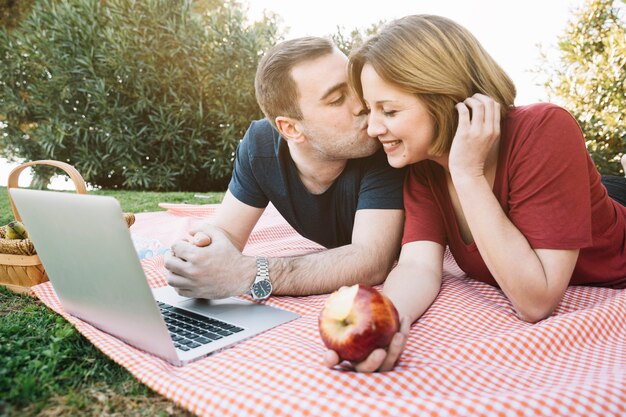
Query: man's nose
{"x": 356, "y": 105}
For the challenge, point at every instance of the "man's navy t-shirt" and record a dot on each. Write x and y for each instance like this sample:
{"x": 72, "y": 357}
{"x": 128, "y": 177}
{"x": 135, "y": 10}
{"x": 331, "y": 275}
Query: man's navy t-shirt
{"x": 264, "y": 172}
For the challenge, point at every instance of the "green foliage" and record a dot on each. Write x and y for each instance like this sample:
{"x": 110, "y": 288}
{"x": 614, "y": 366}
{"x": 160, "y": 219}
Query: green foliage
{"x": 6, "y": 213}
{"x": 346, "y": 42}
{"x": 12, "y": 11}
{"x": 139, "y": 95}
{"x": 235, "y": 52}
{"x": 590, "y": 80}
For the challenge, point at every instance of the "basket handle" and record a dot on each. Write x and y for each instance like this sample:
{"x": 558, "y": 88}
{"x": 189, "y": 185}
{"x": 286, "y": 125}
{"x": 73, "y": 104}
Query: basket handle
{"x": 79, "y": 182}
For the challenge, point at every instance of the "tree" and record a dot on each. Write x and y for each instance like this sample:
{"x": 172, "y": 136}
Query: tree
{"x": 151, "y": 94}
{"x": 346, "y": 42}
{"x": 590, "y": 80}
{"x": 12, "y": 11}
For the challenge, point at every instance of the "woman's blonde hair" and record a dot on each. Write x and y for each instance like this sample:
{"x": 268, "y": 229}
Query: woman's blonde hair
{"x": 439, "y": 61}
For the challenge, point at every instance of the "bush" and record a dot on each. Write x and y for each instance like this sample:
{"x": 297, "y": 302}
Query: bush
{"x": 347, "y": 41}
{"x": 153, "y": 94}
{"x": 12, "y": 11}
{"x": 589, "y": 80}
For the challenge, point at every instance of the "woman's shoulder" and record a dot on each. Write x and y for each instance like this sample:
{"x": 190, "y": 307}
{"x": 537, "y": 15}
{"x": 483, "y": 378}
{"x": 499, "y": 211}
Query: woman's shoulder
{"x": 536, "y": 112}
{"x": 541, "y": 126}
{"x": 538, "y": 119}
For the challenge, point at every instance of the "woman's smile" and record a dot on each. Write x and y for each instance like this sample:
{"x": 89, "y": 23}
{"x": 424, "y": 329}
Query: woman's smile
{"x": 391, "y": 145}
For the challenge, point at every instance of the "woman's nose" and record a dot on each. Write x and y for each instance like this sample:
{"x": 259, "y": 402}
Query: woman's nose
{"x": 374, "y": 127}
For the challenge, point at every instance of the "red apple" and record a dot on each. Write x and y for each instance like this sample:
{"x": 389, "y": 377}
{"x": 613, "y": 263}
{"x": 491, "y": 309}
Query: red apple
{"x": 357, "y": 320}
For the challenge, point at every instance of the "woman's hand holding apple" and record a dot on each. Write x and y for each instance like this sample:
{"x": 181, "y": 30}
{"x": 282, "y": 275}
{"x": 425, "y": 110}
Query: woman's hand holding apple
{"x": 380, "y": 360}
{"x": 361, "y": 325}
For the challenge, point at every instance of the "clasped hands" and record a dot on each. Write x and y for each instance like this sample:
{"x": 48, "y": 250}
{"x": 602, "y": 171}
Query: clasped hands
{"x": 208, "y": 265}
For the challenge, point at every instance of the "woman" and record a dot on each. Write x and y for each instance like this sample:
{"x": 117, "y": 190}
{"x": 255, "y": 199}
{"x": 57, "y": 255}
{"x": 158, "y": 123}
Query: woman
{"x": 511, "y": 190}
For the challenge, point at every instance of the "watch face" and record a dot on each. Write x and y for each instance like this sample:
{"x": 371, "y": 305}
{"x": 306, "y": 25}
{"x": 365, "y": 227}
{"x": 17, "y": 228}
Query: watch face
{"x": 262, "y": 289}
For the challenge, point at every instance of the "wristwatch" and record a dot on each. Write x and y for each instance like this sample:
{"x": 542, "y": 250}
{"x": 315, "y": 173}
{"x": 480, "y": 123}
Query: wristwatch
{"x": 262, "y": 287}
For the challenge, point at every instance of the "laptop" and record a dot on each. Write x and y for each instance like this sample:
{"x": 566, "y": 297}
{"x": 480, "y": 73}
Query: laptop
{"x": 86, "y": 249}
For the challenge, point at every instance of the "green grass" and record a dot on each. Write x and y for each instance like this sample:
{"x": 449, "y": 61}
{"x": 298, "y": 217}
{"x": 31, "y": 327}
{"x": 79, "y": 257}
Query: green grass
{"x": 6, "y": 215}
{"x": 131, "y": 201}
{"x": 48, "y": 368}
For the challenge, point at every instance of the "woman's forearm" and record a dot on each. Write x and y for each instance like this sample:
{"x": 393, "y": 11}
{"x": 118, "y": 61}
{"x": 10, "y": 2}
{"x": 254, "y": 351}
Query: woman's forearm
{"x": 507, "y": 253}
{"x": 414, "y": 283}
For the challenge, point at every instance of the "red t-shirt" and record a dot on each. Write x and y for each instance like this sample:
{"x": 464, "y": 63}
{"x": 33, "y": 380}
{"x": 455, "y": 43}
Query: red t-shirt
{"x": 548, "y": 187}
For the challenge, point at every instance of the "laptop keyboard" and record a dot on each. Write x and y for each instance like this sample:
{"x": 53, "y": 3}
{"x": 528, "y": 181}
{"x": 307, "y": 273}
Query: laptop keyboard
{"x": 190, "y": 330}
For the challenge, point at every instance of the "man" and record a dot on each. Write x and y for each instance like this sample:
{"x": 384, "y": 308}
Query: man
{"x": 312, "y": 158}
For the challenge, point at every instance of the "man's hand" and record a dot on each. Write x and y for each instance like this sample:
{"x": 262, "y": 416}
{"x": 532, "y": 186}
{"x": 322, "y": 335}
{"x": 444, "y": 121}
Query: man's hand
{"x": 380, "y": 360}
{"x": 208, "y": 265}
{"x": 201, "y": 240}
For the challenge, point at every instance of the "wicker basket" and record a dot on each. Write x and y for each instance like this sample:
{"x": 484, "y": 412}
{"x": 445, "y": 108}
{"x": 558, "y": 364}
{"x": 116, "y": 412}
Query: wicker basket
{"x": 20, "y": 267}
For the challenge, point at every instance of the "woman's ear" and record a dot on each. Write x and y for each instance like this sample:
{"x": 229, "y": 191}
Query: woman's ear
{"x": 289, "y": 129}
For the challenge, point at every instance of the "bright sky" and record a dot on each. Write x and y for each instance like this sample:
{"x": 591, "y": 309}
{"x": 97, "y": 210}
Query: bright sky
{"x": 509, "y": 30}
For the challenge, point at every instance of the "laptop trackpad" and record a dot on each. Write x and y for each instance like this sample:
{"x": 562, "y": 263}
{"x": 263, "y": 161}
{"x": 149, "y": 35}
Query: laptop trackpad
{"x": 227, "y": 309}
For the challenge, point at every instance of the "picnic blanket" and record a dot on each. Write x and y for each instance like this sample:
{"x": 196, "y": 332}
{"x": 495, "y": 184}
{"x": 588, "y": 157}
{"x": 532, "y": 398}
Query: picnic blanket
{"x": 469, "y": 355}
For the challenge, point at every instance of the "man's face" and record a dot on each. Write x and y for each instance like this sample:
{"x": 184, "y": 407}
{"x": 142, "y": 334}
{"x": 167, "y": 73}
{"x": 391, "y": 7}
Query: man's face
{"x": 333, "y": 119}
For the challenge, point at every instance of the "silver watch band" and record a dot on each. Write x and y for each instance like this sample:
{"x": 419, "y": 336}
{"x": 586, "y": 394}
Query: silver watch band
{"x": 262, "y": 287}
{"x": 262, "y": 269}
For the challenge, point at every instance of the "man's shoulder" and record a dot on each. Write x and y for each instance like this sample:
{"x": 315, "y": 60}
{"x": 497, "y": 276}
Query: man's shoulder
{"x": 262, "y": 127}
{"x": 261, "y": 139}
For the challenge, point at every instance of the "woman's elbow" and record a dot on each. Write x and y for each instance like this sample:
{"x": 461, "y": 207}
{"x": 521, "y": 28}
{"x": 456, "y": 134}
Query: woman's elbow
{"x": 535, "y": 313}
{"x": 534, "y": 306}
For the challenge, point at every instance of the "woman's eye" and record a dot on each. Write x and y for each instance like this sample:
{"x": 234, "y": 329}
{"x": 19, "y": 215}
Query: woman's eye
{"x": 389, "y": 113}
{"x": 338, "y": 101}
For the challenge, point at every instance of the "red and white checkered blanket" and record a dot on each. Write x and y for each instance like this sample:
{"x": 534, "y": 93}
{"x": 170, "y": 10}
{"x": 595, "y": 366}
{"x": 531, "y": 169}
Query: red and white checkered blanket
{"x": 467, "y": 356}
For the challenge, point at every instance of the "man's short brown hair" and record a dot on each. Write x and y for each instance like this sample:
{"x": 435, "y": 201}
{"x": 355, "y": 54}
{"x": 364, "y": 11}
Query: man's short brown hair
{"x": 276, "y": 91}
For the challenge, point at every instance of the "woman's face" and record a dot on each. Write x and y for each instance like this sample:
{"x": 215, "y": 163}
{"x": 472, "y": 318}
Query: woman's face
{"x": 398, "y": 119}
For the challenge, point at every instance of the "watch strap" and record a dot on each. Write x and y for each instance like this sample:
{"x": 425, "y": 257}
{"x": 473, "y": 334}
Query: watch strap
{"x": 262, "y": 287}
{"x": 262, "y": 269}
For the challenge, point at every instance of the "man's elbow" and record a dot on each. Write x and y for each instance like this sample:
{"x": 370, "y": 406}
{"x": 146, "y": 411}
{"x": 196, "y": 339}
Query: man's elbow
{"x": 376, "y": 262}
{"x": 377, "y": 277}
{"x": 374, "y": 273}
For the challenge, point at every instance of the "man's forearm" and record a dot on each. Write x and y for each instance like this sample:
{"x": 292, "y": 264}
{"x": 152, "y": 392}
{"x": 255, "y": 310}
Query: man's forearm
{"x": 213, "y": 265}
{"x": 326, "y": 271}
